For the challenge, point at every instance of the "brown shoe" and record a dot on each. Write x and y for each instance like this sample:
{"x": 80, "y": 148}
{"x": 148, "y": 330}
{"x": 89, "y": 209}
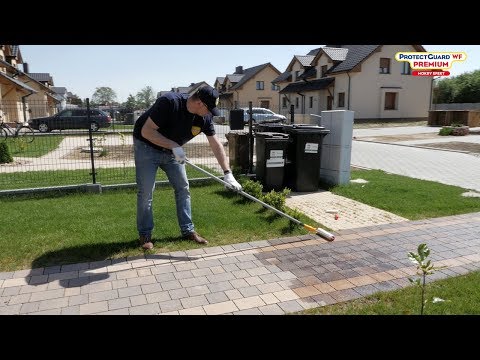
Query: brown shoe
{"x": 146, "y": 242}
{"x": 195, "y": 237}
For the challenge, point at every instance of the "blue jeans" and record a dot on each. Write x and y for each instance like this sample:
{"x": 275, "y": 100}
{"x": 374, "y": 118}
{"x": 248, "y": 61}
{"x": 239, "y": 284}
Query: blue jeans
{"x": 147, "y": 161}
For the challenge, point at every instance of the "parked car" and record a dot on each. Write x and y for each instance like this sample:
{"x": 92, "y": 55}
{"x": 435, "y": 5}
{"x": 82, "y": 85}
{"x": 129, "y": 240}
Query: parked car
{"x": 72, "y": 119}
{"x": 260, "y": 115}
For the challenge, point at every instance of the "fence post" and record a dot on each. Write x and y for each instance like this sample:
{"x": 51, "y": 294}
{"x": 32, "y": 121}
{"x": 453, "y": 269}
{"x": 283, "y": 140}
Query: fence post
{"x": 250, "y": 139}
{"x": 292, "y": 114}
{"x": 93, "y": 173}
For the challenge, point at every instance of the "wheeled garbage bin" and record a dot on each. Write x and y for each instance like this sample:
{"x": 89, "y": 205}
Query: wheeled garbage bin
{"x": 302, "y": 166}
{"x": 271, "y": 154}
{"x": 269, "y": 127}
{"x": 238, "y": 147}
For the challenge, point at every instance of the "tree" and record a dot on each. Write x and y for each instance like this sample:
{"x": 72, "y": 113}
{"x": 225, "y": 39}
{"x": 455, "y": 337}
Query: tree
{"x": 75, "y": 100}
{"x": 131, "y": 104}
{"x": 464, "y": 88}
{"x": 104, "y": 95}
{"x": 145, "y": 97}
{"x": 443, "y": 92}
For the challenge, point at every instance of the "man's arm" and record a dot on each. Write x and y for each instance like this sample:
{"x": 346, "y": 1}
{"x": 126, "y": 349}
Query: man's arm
{"x": 218, "y": 151}
{"x": 149, "y": 132}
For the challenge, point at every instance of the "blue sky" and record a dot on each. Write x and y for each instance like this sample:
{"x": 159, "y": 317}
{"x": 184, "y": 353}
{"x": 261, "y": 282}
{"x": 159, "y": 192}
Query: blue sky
{"x": 129, "y": 68}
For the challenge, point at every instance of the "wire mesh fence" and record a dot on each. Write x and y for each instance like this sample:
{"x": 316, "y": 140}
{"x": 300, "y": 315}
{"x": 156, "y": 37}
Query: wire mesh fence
{"x": 61, "y": 155}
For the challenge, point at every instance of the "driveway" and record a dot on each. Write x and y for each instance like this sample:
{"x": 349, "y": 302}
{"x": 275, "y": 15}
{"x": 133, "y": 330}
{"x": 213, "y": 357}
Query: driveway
{"x": 408, "y": 158}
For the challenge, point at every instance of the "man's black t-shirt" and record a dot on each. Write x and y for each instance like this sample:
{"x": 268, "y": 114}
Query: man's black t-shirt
{"x": 174, "y": 121}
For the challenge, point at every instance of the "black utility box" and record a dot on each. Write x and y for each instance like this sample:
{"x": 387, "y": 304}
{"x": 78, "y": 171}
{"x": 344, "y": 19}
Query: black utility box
{"x": 236, "y": 119}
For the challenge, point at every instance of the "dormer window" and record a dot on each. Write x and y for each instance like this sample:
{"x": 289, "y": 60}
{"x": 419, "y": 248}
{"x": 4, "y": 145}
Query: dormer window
{"x": 324, "y": 70}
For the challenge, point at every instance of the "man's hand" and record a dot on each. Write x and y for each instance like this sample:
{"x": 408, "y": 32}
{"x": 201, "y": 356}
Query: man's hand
{"x": 230, "y": 179}
{"x": 179, "y": 154}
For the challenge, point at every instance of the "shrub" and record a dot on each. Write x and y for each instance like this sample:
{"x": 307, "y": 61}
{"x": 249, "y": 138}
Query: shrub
{"x": 445, "y": 131}
{"x": 276, "y": 199}
{"x": 253, "y": 188}
{"x": 5, "y": 156}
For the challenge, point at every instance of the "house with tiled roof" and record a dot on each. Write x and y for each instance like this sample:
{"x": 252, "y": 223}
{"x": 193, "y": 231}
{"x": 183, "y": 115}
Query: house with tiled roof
{"x": 190, "y": 89}
{"x": 13, "y": 91}
{"x": 218, "y": 84}
{"x": 44, "y": 101}
{"x": 44, "y": 78}
{"x": 61, "y": 94}
{"x": 363, "y": 78}
{"x": 251, "y": 84}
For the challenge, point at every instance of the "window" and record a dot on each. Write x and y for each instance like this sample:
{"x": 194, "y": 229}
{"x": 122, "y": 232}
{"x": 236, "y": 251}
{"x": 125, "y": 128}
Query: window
{"x": 65, "y": 113}
{"x": 284, "y": 102}
{"x": 406, "y": 69}
{"x": 390, "y": 101}
{"x": 384, "y": 66}
{"x": 297, "y": 74}
{"x": 311, "y": 102}
{"x": 329, "y": 102}
{"x": 324, "y": 70}
{"x": 275, "y": 87}
{"x": 265, "y": 104}
{"x": 260, "y": 85}
{"x": 341, "y": 99}
{"x": 296, "y": 102}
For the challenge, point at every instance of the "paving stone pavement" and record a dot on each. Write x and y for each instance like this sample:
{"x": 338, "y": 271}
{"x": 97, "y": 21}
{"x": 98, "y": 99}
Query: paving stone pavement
{"x": 274, "y": 276}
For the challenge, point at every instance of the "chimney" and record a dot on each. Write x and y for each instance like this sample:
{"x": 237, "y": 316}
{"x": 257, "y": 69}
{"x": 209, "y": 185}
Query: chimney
{"x": 25, "y": 68}
{"x": 192, "y": 84}
{"x": 239, "y": 70}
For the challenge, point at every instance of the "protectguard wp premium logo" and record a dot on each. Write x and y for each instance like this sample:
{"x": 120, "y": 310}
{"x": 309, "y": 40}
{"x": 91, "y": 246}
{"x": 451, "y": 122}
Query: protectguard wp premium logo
{"x": 431, "y": 63}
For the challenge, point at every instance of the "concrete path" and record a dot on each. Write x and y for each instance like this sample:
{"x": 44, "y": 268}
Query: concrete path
{"x": 264, "y": 277}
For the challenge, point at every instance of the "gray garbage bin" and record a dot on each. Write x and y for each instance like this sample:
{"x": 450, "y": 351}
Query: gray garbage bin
{"x": 238, "y": 150}
{"x": 304, "y": 154}
{"x": 271, "y": 154}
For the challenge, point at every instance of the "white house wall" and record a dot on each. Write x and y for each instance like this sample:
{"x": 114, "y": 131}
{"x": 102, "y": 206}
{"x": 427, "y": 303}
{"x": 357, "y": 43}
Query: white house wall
{"x": 368, "y": 88}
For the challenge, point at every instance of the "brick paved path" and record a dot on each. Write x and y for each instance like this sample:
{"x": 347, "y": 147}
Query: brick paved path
{"x": 264, "y": 277}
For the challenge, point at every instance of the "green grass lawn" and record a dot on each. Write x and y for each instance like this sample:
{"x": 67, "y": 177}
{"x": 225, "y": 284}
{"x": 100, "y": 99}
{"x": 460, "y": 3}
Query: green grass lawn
{"x": 104, "y": 176}
{"x": 41, "y": 145}
{"x": 411, "y": 198}
{"x": 52, "y": 230}
{"x": 461, "y": 295}
{"x": 120, "y": 127}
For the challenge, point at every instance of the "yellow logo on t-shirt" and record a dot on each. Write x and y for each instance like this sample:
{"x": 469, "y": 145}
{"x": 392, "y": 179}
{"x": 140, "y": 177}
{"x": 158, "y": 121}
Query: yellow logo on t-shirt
{"x": 196, "y": 130}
